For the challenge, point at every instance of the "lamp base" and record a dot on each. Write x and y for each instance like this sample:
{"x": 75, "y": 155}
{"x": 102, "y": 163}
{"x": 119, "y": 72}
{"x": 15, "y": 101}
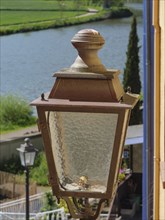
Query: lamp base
{"x": 84, "y": 208}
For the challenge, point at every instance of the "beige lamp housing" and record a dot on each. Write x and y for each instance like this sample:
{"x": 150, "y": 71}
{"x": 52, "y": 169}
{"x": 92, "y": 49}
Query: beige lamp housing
{"x": 83, "y": 122}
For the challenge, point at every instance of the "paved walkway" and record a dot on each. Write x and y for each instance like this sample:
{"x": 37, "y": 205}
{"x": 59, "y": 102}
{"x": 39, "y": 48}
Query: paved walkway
{"x": 25, "y": 132}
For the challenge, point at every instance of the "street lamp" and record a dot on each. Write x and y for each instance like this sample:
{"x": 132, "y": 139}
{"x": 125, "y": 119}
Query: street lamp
{"x": 27, "y": 154}
{"x": 83, "y": 122}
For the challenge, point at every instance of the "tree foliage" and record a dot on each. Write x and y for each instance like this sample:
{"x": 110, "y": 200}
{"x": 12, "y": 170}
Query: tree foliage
{"x": 39, "y": 172}
{"x": 112, "y": 3}
{"x": 131, "y": 72}
{"x": 50, "y": 203}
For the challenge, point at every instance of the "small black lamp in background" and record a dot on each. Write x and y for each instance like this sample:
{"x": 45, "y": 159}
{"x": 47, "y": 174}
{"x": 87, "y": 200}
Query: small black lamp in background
{"x": 27, "y": 156}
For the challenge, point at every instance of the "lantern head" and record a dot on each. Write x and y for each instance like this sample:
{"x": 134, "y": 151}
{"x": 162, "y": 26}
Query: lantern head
{"x": 83, "y": 122}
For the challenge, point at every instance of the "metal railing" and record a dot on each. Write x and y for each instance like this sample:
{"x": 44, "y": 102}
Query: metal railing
{"x": 57, "y": 214}
{"x": 15, "y": 210}
{"x": 18, "y": 206}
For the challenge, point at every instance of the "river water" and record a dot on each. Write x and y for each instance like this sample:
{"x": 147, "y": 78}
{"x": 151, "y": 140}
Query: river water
{"x": 28, "y": 60}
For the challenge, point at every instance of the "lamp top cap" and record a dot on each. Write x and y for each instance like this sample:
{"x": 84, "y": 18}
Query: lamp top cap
{"x": 88, "y": 42}
{"x": 27, "y": 140}
{"x": 27, "y": 146}
{"x": 88, "y": 36}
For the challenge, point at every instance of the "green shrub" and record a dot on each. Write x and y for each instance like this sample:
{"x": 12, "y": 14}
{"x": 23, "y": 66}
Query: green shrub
{"x": 50, "y": 203}
{"x": 120, "y": 12}
{"x": 15, "y": 112}
{"x": 12, "y": 165}
{"x": 121, "y": 177}
{"x": 39, "y": 172}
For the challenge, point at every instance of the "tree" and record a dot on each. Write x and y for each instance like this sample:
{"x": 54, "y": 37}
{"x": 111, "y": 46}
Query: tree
{"x": 110, "y": 3}
{"x": 106, "y": 3}
{"x": 131, "y": 77}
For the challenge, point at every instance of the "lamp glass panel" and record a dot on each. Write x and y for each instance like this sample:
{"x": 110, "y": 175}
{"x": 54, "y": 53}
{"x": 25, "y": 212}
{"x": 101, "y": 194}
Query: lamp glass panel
{"x": 22, "y": 158}
{"x": 82, "y": 145}
{"x": 29, "y": 158}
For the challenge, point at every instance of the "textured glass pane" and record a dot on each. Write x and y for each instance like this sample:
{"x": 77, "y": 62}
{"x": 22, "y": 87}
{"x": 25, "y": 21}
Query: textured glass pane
{"x": 82, "y": 146}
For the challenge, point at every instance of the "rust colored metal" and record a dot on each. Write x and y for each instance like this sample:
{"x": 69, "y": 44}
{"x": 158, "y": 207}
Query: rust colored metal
{"x": 86, "y": 87}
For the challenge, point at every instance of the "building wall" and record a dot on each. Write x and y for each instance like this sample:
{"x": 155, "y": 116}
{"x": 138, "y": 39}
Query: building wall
{"x": 162, "y": 103}
{"x": 8, "y": 149}
{"x": 159, "y": 109}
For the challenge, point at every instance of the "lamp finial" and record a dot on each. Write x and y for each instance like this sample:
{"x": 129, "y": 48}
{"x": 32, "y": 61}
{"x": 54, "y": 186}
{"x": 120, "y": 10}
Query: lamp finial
{"x": 88, "y": 42}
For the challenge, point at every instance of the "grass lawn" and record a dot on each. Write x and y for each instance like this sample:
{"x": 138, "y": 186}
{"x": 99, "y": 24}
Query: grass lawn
{"x": 25, "y": 15}
{"x": 39, "y": 4}
{"x": 31, "y": 15}
{"x": 24, "y": 11}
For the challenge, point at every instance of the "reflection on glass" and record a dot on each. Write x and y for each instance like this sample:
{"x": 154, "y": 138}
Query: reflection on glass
{"x": 27, "y": 158}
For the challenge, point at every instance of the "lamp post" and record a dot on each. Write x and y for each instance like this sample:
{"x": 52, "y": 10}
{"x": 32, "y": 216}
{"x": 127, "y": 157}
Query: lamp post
{"x": 83, "y": 122}
{"x": 27, "y": 154}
